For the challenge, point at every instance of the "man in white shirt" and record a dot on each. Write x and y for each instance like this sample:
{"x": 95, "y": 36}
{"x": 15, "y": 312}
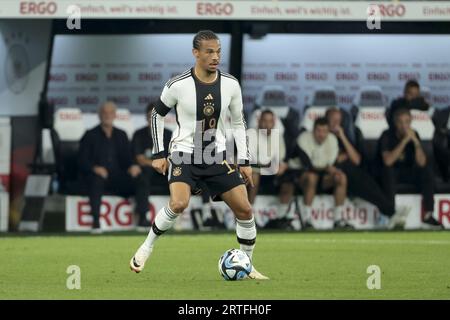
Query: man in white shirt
{"x": 269, "y": 150}
{"x": 322, "y": 149}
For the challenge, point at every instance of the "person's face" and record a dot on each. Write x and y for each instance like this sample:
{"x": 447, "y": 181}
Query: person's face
{"x": 403, "y": 124}
{"x": 412, "y": 93}
{"x": 334, "y": 121}
{"x": 208, "y": 55}
{"x": 267, "y": 122}
{"x": 320, "y": 133}
{"x": 107, "y": 115}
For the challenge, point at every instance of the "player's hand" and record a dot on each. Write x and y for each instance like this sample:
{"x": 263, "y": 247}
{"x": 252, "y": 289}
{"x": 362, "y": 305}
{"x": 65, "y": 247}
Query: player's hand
{"x": 101, "y": 171}
{"x": 282, "y": 168}
{"x": 160, "y": 165}
{"x": 339, "y": 132}
{"x": 408, "y": 136}
{"x": 413, "y": 136}
{"x": 134, "y": 171}
{"x": 331, "y": 170}
{"x": 246, "y": 173}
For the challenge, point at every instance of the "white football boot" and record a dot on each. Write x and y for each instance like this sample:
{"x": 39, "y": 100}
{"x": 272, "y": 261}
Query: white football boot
{"x": 137, "y": 262}
{"x": 399, "y": 218}
{"x": 256, "y": 275}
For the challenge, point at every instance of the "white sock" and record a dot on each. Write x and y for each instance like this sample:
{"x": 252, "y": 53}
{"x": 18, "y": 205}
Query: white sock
{"x": 246, "y": 235}
{"x": 206, "y": 210}
{"x": 308, "y": 214}
{"x": 165, "y": 219}
{"x": 282, "y": 210}
{"x": 337, "y": 212}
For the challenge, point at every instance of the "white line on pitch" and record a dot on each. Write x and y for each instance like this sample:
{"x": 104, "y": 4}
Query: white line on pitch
{"x": 371, "y": 241}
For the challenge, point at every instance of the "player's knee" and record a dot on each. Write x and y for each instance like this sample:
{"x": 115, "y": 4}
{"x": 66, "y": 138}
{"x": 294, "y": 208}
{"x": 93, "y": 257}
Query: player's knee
{"x": 178, "y": 205}
{"x": 311, "y": 179}
{"x": 341, "y": 179}
{"x": 246, "y": 212}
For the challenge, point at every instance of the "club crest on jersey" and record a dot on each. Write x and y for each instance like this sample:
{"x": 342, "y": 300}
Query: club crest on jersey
{"x": 208, "y": 110}
{"x": 176, "y": 171}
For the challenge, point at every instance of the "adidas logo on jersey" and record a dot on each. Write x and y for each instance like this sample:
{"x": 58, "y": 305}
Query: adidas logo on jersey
{"x": 209, "y": 97}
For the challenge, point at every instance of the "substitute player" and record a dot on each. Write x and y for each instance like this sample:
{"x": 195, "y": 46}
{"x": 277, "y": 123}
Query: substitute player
{"x": 201, "y": 97}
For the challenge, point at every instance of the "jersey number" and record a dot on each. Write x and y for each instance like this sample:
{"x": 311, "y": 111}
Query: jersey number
{"x": 231, "y": 170}
{"x": 211, "y": 124}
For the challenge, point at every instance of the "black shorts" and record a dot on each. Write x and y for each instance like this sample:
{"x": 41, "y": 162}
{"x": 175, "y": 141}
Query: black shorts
{"x": 320, "y": 188}
{"x": 219, "y": 178}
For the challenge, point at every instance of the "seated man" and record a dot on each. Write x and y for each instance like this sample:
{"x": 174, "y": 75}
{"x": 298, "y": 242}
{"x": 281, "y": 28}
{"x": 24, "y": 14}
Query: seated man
{"x": 411, "y": 100}
{"x": 360, "y": 183}
{"x": 441, "y": 142}
{"x": 268, "y": 155}
{"x": 142, "y": 144}
{"x": 322, "y": 149}
{"x": 105, "y": 161}
{"x": 404, "y": 160}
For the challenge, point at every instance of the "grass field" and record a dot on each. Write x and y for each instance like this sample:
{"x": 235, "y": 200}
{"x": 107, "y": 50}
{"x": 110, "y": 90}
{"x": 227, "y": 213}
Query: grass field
{"x": 323, "y": 265}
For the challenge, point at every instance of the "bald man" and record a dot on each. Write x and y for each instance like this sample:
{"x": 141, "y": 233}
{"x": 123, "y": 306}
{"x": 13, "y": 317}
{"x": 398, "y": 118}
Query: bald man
{"x": 105, "y": 161}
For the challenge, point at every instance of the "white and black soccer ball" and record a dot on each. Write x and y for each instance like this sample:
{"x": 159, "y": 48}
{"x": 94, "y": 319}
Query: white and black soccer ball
{"x": 234, "y": 264}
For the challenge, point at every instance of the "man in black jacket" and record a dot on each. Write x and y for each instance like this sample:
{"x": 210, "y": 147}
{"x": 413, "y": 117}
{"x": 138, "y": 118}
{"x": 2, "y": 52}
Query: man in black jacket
{"x": 105, "y": 161}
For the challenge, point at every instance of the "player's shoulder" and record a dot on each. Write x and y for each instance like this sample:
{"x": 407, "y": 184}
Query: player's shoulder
{"x": 178, "y": 78}
{"x": 304, "y": 137}
{"x": 332, "y": 139}
{"x": 229, "y": 77}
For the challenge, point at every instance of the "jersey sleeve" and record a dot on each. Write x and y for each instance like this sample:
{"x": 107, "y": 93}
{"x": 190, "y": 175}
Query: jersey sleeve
{"x": 239, "y": 126}
{"x": 165, "y": 103}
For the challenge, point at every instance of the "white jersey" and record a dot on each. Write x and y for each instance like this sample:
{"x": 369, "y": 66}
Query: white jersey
{"x": 200, "y": 107}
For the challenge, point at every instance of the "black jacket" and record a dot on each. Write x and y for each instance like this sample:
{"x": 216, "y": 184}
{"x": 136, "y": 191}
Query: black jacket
{"x": 94, "y": 150}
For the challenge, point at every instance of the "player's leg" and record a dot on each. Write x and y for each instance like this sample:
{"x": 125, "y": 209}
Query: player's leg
{"x": 423, "y": 177}
{"x": 337, "y": 181}
{"x": 96, "y": 189}
{"x": 180, "y": 193}
{"x": 285, "y": 194}
{"x": 142, "y": 192}
{"x": 253, "y": 192}
{"x": 308, "y": 184}
{"x": 237, "y": 199}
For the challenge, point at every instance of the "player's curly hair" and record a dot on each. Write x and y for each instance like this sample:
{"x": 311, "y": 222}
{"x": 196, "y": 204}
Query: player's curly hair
{"x": 203, "y": 35}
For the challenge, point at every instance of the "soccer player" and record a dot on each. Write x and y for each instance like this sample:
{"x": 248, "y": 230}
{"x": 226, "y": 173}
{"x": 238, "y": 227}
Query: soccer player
{"x": 201, "y": 98}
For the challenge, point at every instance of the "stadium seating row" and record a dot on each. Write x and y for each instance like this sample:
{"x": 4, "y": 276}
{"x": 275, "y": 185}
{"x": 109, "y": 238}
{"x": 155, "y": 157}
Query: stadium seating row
{"x": 367, "y": 114}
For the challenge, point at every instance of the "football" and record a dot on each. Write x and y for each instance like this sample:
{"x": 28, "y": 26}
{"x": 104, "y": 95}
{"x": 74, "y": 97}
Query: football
{"x": 234, "y": 264}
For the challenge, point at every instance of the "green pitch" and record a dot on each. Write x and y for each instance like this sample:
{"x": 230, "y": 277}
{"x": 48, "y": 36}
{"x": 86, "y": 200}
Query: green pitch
{"x": 301, "y": 266}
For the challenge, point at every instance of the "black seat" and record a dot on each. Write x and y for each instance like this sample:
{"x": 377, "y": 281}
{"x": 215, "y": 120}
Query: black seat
{"x": 66, "y": 158}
